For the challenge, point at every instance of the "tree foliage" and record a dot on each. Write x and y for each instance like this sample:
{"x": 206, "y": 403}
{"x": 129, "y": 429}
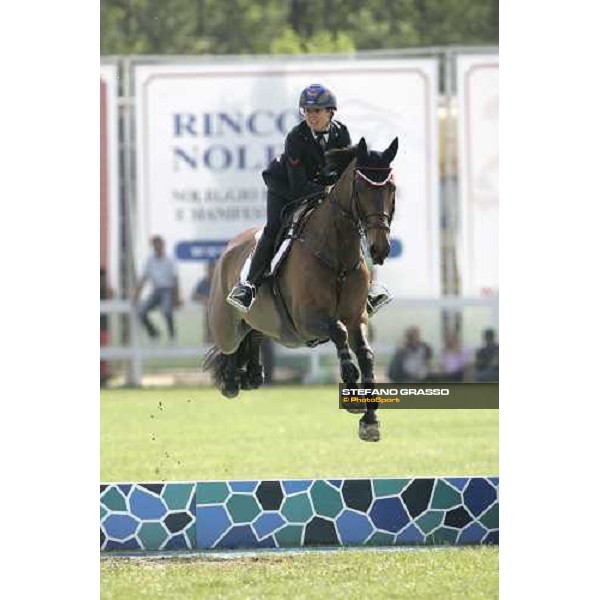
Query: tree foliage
{"x": 291, "y": 26}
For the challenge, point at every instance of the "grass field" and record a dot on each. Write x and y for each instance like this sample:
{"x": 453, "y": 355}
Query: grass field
{"x": 192, "y": 434}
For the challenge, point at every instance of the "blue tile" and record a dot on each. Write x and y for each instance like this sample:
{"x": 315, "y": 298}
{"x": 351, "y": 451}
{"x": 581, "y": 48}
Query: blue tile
{"x": 211, "y": 523}
{"x": 268, "y": 542}
{"x": 243, "y": 486}
{"x": 479, "y": 494}
{"x": 336, "y": 482}
{"x": 353, "y": 528}
{"x": 292, "y": 487}
{"x": 494, "y": 481}
{"x": 131, "y": 544}
{"x": 267, "y": 523}
{"x": 120, "y": 527}
{"x": 493, "y": 537}
{"x": 124, "y": 487}
{"x": 388, "y": 514}
{"x": 146, "y": 506}
{"x": 457, "y": 482}
{"x": 473, "y": 534}
{"x": 241, "y": 536}
{"x": 411, "y": 535}
{"x": 177, "y": 542}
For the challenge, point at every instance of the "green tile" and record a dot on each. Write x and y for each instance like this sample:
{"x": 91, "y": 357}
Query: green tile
{"x": 492, "y": 517}
{"x": 389, "y": 487}
{"x": 443, "y": 536}
{"x": 297, "y": 508}
{"x": 211, "y": 493}
{"x": 152, "y": 535}
{"x": 326, "y": 499}
{"x": 113, "y": 499}
{"x": 177, "y": 495}
{"x": 430, "y": 520}
{"x": 289, "y": 536}
{"x": 103, "y": 512}
{"x": 381, "y": 539}
{"x": 445, "y": 496}
{"x": 242, "y": 508}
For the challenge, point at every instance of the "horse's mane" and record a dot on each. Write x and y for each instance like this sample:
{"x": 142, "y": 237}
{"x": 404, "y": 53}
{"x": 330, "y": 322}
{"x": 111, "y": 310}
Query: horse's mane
{"x": 338, "y": 159}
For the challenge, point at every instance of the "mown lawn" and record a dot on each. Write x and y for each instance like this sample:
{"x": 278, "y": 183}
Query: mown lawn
{"x": 446, "y": 574}
{"x": 282, "y": 432}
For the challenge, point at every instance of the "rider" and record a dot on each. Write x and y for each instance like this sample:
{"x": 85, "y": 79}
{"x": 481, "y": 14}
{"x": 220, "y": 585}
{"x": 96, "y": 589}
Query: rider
{"x": 298, "y": 173}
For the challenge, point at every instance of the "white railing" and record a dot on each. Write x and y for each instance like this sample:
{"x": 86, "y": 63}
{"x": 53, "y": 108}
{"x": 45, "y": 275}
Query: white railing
{"x": 135, "y": 353}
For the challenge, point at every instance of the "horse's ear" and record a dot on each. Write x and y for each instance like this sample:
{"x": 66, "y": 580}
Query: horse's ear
{"x": 362, "y": 153}
{"x": 390, "y": 153}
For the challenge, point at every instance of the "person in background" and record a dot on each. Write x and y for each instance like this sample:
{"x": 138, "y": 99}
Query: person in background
{"x": 454, "y": 360}
{"x": 160, "y": 271}
{"x": 411, "y": 362}
{"x": 201, "y": 294}
{"x": 487, "y": 358}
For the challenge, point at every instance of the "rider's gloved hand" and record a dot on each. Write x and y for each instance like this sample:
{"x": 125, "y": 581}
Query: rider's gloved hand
{"x": 328, "y": 178}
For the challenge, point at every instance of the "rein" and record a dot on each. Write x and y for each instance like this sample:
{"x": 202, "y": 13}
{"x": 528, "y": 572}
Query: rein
{"x": 360, "y": 219}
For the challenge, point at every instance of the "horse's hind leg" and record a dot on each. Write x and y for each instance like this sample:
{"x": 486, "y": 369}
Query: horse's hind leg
{"x": 253, "y": 377}
{"x": 230, "y": 386}
{"x": 369, "y": 430}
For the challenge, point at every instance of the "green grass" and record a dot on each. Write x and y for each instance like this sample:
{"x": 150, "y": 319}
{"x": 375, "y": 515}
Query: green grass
{"x": 282, "y": 432}
{"x": 295, "y": 432}
{"x": 447, "y": 574}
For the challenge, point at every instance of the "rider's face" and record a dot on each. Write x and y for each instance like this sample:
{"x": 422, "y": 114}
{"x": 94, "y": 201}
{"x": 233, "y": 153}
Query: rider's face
{"x": 317, "y": 118}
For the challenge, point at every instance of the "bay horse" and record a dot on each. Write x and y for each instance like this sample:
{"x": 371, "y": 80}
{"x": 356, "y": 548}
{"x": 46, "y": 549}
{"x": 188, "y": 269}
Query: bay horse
{"x": 320, "y": 291}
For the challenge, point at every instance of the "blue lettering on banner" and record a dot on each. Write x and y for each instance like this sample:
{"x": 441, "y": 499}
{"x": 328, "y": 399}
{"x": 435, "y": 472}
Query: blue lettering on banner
{"x": 200, "y": 250}
{"x": 395, "y": 248}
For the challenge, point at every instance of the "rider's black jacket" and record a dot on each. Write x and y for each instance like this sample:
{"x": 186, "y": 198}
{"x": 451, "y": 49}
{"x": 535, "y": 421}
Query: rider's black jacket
{"x": 299, "y": 170}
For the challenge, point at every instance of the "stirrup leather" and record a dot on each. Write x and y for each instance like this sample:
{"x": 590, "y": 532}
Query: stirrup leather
{"x": 238, "y": 294}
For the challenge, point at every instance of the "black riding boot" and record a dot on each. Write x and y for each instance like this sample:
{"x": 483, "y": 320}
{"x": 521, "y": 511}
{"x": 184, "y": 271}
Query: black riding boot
{"x": 243, "y": 293}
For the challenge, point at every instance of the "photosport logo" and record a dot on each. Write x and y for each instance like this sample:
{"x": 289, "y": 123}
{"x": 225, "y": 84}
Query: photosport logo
{"x": 421, "y": 395}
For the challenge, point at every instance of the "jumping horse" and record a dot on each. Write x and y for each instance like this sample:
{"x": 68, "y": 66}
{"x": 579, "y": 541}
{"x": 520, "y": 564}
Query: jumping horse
{"x": 319, "y": 293}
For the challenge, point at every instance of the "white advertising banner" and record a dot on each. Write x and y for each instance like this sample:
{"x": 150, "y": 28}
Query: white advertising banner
{"x": 205, "y": 133}
{"x": 478, "y": 102}
{"x": 109, "y": 175}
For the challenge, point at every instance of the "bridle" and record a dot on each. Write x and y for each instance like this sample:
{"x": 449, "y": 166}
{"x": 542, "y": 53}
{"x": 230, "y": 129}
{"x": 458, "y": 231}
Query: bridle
{"x": 379, "y": 219}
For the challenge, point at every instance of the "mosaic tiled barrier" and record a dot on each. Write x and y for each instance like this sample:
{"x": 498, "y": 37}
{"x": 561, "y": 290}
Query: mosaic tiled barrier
{"x": 148, "y": 516}
{"x": 292, "y": 513}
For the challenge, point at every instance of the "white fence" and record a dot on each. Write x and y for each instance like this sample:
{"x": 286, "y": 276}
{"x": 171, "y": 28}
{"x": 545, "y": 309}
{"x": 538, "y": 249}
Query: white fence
{"x": 135, "y": 353}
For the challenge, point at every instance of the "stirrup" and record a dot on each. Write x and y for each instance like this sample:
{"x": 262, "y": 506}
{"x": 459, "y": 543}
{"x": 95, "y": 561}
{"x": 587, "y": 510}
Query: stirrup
{"x": 376, "y": 302}
{"x": 239, "y": 294}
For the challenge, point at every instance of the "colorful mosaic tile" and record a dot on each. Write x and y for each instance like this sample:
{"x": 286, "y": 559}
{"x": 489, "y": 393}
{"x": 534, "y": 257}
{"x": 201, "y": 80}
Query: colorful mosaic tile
{"x": 293, "y": 513}
{"x": 148, "y": 516}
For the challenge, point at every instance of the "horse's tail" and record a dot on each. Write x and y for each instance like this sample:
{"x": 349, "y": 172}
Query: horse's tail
{"x": 214, "y": 362}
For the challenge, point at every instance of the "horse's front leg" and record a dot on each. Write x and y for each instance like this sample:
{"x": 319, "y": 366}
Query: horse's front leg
{"x": 339, "y": 336}
{"x": 368, "y": 429}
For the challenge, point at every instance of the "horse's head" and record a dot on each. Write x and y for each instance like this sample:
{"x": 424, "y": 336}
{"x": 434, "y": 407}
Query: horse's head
{"x": 374, "y": 196}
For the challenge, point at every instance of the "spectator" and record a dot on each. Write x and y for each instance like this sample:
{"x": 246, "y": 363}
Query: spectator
{"x": 411, "y": 362}
{"x": 486, "y": 358}
{"x": 200, "y": 295}
{"x": 160, "y": 271}
{"x": 454, "y": 361}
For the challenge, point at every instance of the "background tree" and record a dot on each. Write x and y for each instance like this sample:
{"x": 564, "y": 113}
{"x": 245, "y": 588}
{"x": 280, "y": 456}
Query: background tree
{"x": 291, "y": 26}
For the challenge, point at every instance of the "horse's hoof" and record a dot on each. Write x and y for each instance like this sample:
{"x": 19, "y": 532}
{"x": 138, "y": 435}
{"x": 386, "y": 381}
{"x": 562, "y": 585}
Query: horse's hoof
{"x": 350, "y": 372}
{"x": 230, "y": 391}
{"x": 357, "y": 410}
{"x": 369, "y": 432}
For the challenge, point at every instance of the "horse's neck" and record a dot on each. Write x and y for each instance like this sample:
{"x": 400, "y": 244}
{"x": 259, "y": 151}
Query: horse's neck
{"x": 332, "y": 230}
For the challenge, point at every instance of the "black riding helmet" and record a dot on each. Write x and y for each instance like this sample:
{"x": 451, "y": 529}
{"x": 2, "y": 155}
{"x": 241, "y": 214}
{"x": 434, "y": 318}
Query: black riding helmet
{"x": 317, "y": 96}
